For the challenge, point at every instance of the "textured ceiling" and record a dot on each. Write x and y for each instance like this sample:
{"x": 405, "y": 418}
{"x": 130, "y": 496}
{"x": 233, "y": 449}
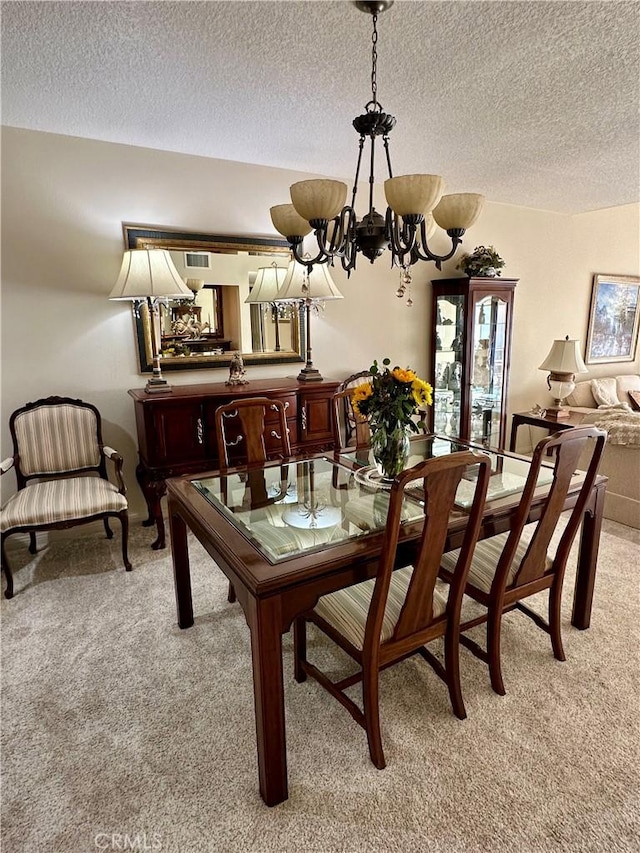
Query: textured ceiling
{"x": 532, "y": 103}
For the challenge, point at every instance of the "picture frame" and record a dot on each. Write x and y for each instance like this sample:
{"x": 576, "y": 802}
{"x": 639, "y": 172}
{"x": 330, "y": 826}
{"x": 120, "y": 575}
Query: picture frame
{"x": 614, "y": 317}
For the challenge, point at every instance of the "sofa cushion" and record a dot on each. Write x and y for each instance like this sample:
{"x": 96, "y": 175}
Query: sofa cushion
{"x": 605, "y": 391}
{"x": 624, "y": 384}
{"x": 582, "y": 396}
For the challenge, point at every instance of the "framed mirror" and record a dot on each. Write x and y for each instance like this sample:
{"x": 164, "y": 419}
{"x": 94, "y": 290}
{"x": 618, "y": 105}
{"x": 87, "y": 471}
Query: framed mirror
{"x": 206, "y": 331}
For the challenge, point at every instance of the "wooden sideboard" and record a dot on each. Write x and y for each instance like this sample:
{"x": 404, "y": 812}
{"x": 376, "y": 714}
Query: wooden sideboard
{"x": 176, "y": 430}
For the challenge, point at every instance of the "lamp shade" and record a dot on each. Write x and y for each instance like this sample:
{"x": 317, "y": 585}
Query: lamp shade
{"x": 318, "y": 198}
{"x": 194, "y": 284}
{"x": 408, "y": 194}
{"x": 458, "y": 210}
{"x": 267, "y": 284}
{"x": 288, "y": 222}
{"x": 149, "y": 273}
{"x": 564, "y": 357}
{"x": 300, "y": 284}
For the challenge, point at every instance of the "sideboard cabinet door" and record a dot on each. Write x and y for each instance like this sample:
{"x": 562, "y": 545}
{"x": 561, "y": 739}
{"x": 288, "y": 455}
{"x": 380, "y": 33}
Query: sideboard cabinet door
{"x": 173, "y": 433}
{"x": 316, "y": 429}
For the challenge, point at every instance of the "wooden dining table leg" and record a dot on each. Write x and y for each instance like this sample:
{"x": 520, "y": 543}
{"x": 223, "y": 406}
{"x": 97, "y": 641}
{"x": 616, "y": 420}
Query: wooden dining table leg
{"x": 181, "y": 572}
{"x": 264, "y": 616}
{"x": 587, "y": 560}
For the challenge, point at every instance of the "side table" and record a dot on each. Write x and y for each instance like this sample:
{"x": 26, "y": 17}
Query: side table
{"x": 540, "y": 419}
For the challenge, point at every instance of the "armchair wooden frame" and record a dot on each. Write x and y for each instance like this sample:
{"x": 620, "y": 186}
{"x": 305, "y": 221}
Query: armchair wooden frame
{"x": 424, "y": 615}
{"x": 30, "y": 466}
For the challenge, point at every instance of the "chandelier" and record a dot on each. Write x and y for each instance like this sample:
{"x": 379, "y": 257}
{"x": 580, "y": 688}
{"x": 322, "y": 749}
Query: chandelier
{"x": 415, "y": 208}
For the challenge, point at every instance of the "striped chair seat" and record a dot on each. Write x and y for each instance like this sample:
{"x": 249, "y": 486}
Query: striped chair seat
{"x": 281, "y": 541}
{"x": 57, "y": 501}
{"x": 369, "y": 512}
{"x": 347, "y": 609}
{"x": 486, "y": 556}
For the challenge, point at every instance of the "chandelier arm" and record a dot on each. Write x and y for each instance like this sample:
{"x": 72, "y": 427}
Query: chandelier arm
{"x": 424, "y": 253}
{"x": 302, "y": 258}
{"x": 401, "y": 239}
{"x": 385, "y": 141}
{"x": 355, "y": 180}
{"x": 372, "y": 162}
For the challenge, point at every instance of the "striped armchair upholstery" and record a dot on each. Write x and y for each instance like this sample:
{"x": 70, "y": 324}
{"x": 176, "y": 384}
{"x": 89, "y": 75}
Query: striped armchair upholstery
{"x": 57, "y": 438}
{"x": 60, "y": 465}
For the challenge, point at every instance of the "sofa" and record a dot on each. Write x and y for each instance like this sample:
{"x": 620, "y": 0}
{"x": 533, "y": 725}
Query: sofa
{"x": 611, "y": 403}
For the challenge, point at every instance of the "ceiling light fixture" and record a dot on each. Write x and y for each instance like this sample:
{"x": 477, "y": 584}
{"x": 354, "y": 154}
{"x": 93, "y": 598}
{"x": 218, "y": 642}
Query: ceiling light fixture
{"x": 319, "y": 205}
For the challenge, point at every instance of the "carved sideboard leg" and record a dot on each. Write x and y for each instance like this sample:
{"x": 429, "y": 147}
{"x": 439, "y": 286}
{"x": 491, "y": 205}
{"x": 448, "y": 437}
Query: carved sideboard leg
{"x": 153, "y": 491}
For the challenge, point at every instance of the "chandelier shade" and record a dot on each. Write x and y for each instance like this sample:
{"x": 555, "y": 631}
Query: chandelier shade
{"x": 288, "y": 222}
{"x": 409, "y": 195}
{"x": 318, "y": 200}
{"x": 458, "y": 210}
{"x": 341, "y": 234}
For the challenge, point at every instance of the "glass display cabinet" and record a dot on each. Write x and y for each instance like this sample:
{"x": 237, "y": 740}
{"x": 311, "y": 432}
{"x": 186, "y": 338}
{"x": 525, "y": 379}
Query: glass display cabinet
{"x": 470, "y": 356}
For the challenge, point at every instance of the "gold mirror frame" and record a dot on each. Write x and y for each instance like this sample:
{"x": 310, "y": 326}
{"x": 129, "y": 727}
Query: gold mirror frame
{"x": 266, "y": 248}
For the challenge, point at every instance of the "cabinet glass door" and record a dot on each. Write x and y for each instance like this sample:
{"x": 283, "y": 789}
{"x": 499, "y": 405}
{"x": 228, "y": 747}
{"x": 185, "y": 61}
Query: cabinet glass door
{"x": 487, "y": 369}
{"x": 449, "y": 354}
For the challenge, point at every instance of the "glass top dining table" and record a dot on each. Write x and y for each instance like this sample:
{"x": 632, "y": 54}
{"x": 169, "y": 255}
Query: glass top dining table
{"x": 295, "y": 508}
{"x": 291, "y": 531}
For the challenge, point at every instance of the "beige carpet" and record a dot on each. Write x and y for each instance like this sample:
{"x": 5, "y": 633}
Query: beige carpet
{"x": 121, "y": 732}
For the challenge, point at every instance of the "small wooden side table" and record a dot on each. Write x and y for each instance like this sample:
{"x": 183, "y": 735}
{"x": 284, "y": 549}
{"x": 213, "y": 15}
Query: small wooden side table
{"x": 539, "y": 419}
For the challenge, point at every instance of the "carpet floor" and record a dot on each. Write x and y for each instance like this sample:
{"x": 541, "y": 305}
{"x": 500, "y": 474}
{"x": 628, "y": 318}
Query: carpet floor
{"x": 121, "y": 732}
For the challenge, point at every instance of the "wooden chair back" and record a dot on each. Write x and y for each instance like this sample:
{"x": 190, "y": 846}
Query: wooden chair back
{"x": 440, "y": 478}
{"x": 567, "y": 447}
{"x": 349, "y": 429}
{"x": 256, "y": 427}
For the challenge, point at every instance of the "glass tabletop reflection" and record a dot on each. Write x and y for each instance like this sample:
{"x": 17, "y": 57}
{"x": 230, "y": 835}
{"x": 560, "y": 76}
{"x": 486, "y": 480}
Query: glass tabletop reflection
{"x": 291, "y": 509}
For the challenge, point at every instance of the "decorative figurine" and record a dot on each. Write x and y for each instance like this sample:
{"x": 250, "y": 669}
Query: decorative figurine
{"x": 236, "y": 371}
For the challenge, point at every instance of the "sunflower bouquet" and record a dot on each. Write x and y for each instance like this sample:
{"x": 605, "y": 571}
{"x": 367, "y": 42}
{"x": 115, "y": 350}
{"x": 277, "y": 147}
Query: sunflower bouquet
{"x": 389, "y": 401}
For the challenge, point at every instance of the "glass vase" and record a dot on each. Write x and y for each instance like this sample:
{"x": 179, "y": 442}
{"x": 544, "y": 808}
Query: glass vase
{"x": 390, "y": 450}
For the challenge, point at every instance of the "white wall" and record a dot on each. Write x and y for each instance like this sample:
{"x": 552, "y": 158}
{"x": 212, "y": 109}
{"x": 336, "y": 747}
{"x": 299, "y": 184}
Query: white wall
{"x": 63, "y": 204}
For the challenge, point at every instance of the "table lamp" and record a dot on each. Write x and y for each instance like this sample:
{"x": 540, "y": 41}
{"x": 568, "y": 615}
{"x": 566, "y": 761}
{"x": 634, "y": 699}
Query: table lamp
{"x": 265, "y": 290}
{"x": 563, "y": 362}
{"x": 149, "y": 274}
{"x": 310, "y": 287}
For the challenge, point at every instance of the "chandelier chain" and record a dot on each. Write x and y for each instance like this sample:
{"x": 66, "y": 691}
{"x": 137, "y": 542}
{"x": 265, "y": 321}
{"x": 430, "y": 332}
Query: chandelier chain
{"x": 374, "y": 61}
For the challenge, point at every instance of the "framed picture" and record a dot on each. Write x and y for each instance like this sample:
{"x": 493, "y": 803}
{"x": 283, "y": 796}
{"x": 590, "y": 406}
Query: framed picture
{"x": 613, "y": 319}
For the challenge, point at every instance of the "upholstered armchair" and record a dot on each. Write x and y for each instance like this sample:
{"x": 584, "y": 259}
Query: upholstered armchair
{"x": 60, "y": 465}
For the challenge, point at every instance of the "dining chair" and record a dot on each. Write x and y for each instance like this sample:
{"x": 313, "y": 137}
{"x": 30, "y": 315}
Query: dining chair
{"x": 60, "y": 464}
{"x": 349, "y": 429}
{"x": 515, "y": 565}
{"x": 382, "y": 621}
{"x": 255, "y": 430}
